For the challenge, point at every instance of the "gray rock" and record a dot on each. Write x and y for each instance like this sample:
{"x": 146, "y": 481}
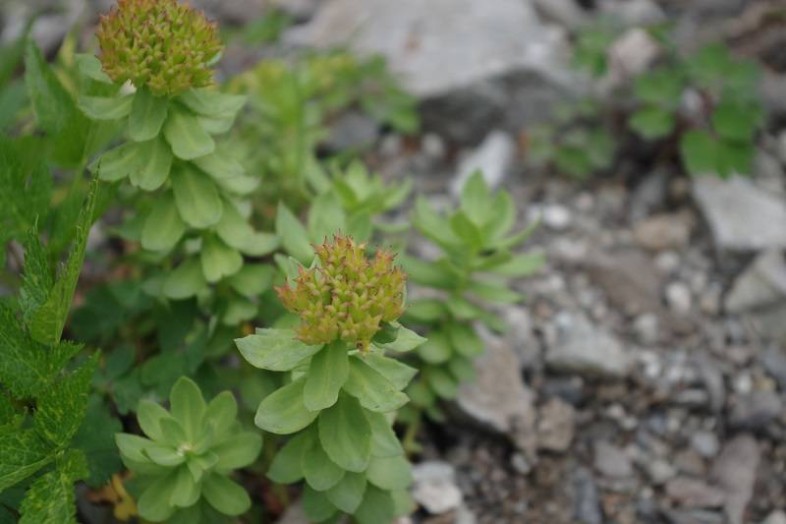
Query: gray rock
{"x": 768, "y": 173}
{"x": 762, "y": 284}
{"x": 521, "y": 336}
{"x": 631, "y": 54}
{"x": 234, "y": 12}
{"x": 54, "y": 19}
{"x": 662, "y": 232}
{"x": 774, "y": 362}
{"x": 564, "y": 12}
{"x": 587, "y": 501}
{"x": 295, "y": 514}
{"x": 649, "y": 195}
{"x": 473, "y": 64}
{"x": 634, "y": 12}
{"x": 769, "y": 322}
{"x": 741, "y": 216}
{"x": 556, "y": 217}
{"x": 645, "y": 327}
{"x": 556, "y": 425}
{"x": 706, "y": 443}
{"x": 776, "y": 517}
{"x": 780, "y": 147}
{"x": 611, "y": 461}
{"x": 299, "y": 9}
{"x": 434, "y": 487}
{"x": 735, "y": 471}
{"x": 629, "y": 279}
{"x": 498, "y": 399}
{"x": 678, "y": 297}
{"x": 659, "y": 471}
{"x": 494, "y": 158}
{"x": 756, "y": 410}
{"x": 352, "y": 130}
{"x": 580, "y": 347}
{"x": 694, "y": 493}
{"x": 694, "y": 516}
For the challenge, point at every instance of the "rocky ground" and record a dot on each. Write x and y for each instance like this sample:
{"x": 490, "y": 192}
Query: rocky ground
{"x": 644, "y": 380}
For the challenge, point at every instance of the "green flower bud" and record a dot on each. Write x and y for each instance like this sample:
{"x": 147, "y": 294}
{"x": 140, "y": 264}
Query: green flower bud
{"x": 163, "y": 45}
{"x": 347, "y": 297}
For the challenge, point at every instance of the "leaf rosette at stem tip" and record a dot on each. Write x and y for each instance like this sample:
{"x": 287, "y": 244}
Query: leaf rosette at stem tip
{"x": 346, "y": 297}
{"x": 163, "y": 45}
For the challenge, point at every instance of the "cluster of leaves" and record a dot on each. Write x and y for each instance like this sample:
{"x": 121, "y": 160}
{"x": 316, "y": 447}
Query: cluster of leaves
{"x": 704, "y": 105}
{"x": 475, "y": 266}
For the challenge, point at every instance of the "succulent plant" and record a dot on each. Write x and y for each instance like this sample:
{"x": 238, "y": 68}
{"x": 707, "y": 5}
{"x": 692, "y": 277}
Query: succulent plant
{"x": 163, "y": 45}
{"x": 188, "y": 455}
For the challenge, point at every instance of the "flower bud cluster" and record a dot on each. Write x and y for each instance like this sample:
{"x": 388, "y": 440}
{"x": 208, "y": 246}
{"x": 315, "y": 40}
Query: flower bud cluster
{"x": 163, "y": 45}
{"x": 347, "y": 297}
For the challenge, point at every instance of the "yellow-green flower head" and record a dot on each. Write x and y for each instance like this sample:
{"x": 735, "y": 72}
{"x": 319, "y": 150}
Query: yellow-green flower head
{"x": 347, "y": 297}
{"x": 163, "y": 45}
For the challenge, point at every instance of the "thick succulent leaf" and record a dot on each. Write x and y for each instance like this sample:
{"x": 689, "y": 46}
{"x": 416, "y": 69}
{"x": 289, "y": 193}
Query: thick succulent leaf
{"x": 345, "y": 434}
{"x": 283, "y": 412}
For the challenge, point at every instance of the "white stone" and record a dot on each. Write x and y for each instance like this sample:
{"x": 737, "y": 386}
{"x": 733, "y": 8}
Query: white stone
{"x": 494, "y": 158}
{"x": 435, "y": 488}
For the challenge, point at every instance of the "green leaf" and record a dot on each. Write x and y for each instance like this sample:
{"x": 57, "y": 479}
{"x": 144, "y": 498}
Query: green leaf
{"x": 699, "y": 151}
{"x": 287, "y": 466}
{"x": 735, "y": 158}
{"x": 316, "y": 505}
{"x": 197, "y": 198}
{"x": 148, "y": 113}
{"x": 442, "y": 382}
{"x": 436, "y": 349}
{"x": 426, "y": 310}
{"x": 118, "y": 163}
{"x": 238, "y": 451}
{"x": 186, "y": 491}
{"x": 226, "y": 496}
{"x": 476, "y": 200}
{"x": 22, "y": 453}
{"x": 377, "y": 507}
{"x": 187, "y": 406}
{"x": 428, "y": 273}
{"x": 393, "y": 370}
{"x": 46, "y": 326}
{"x": 103, "y": 108}
{"x": 50, "y": 498}
{"x": 52, "y": 105}
{"x": 464, "y": 339}
{"x": 185, "y": 134}
{"x": 163, "y": 227}
{"x": 374, "y": 391}
{"x": 461, "y": 368}
{"x": 62, "y": 407}
{"x": 384, "y": 442}
{"x": 218, "y": 260}
{"x": 154, "y": 503}
{"x": 663, "y": 87}
{"x": 212, "y": 103}
{"x": 293, "y": 235}
{"x": 392, "y": 473}
{"x": 320, "y": 472}
{"x": 227, "y": 172}
{"x": 348, "y": 493}
{"x": 186, "y": 281}
{"x": 275, "y": 349}
{"x": 406, "y": 340}
{"x": 434, "y": 227}
{"x": 494, "y": 292}
{"x": 252, "y": 279}
{"x": 519, "y": 265}
{"x": 149, "y": 415}
{"x": 652, "y": 122}
{"x": 90, "y": 66}
{"x": 345, "y": 434}
{"x": 96, "y": 439}
{"x": 735, "y": 121}
{"x": 467, "y": 230}
{"x": 283, "y": 412}
{"x": 328, "y": 371}
{"x": 154, "y": 169}
{"x": 326, "y": 217}
{"x": 27, "y": 187}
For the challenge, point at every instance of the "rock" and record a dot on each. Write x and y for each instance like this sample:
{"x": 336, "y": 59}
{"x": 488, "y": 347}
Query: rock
{"x": 633, "y": 12}
{"x": 678, "y": 297}
{"x": 352, "y": 130}
{"x": 762, "y": 284}
{"x": 53, "y": 19}
{"x": 648, "y": 196}
{"x": 663, "y": 232}
{"x": 693, "y": 516}
{"x": 706, "y": 443}
{"x": 611, "y": 461}
{"x": 580, "y": 347}
{"x": 756, "y": 410}
{"x": 521, "y": 336}
{"x": 434, "y": 487}
{"x": 659, "y": 471}
{"x": 774, "y": 362}
{"x": 586, "y": 500}
{"x": 780, "y": 147}
{"x": 645, "y": 327}
{"x": 631, "y": 54}
{"x": 235, "y": 12}
{"x": 294, "y": 515}
{"x": 556, "y": 425}
{"x": 299, "y": 9}
{"x": 768, "y": 173}
{"x": 556, "y": 217}
{"x": 564, "y": 12}
{"x": 741, "y": 216}
{"x": 629, "y": 279}
{"x": 694, "y": 493}
{"x": 498, "y": 399}
{"x": 735, "y": 472}
{"x": 776, "y": 517}
{"x": 494, "y": 158}
{"x": 473, "y": 64}
{"x": 769, "y": 322}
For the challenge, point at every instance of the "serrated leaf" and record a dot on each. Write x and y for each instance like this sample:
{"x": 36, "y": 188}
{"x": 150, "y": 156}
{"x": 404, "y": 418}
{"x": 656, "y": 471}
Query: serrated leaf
{"x": 50, "y": 498}
{"x": 163, "y": 227}
{"x": 283, "y": 412}
{"x": 46, "y": 325}
{"x": 197, "y": 198}
{"x": 327, "y": 372}
{"x": 735, "y": 121}
{"x": 374, "y": 391}
{"x": 53, "y": 107}
{"x": 275, "y": 349}
{"x": 147, "y": 115}
{"x": 22, "y": 453}
{"x": 345, "y": 434}
{"x": 185, "y": 134}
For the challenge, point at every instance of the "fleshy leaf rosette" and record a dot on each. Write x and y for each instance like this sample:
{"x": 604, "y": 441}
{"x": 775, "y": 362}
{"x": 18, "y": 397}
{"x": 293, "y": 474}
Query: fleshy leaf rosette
{"x": 346, "y": 297}
{"x": 188, "y": 455}
{"x": 163, "y": 45}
